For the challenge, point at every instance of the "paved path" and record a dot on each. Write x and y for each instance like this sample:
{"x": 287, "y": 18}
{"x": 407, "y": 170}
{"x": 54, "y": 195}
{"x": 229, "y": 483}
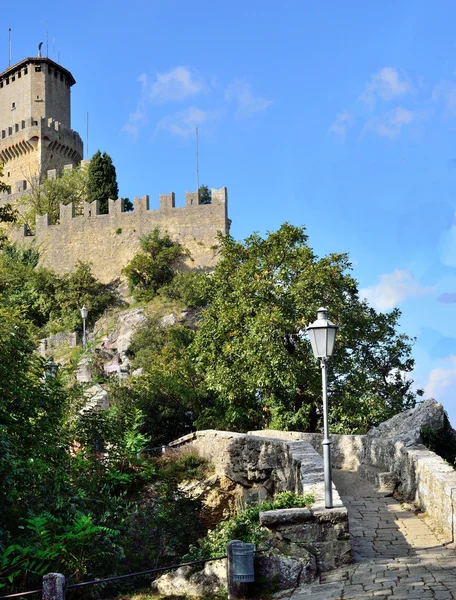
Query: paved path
{"x": 397, "y": 554}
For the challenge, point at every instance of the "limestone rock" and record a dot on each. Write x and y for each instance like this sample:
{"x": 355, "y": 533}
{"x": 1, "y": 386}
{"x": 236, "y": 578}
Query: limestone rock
{"x": 97, "y": 399}
{"x": 288, "y": 571}
{"x": 84, "y": 370}
{"x": 405, "y": 427}
{"x": 168, "y": 320}
{"x": 184, "y": 581}
{"x": 218, "y": 495}
{"x": 118, "y": 335}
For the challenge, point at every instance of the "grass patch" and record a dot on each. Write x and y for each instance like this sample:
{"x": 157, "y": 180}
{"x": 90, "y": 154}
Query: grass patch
{"x": 184, "y": 465}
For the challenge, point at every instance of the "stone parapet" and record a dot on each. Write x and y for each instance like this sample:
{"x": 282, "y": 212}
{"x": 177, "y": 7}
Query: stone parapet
{"x": 111, "y": 240}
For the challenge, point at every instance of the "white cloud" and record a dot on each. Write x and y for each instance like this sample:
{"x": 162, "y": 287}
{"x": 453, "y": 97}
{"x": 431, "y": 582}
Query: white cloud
{"x": 240, "y": 92}
{"x": 441, "y": 380}
{"x": 390, "y": 124}
{"x": 341, "y": 125}
{"x": 172, "y": 86}
{"x": 183, "y": 123}
{"x": 392, "y": 289}
{"x": 445, "y": 91}
{"x": 387, "y": 84}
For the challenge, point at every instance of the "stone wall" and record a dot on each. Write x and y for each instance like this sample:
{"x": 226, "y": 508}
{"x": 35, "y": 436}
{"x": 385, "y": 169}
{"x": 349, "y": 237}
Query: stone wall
{"x": 111, "y": 240}
{"x": 272, "y": 466}
{"x": 393, "y": 457}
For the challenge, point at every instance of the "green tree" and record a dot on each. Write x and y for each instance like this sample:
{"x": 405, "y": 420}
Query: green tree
{"x": 252, "y": 352}
{"x": 79, "y": 288}
{"x": 204, "y": 195}
{"x": 102, "y": 180}
{"x": 46, "y": 196}
{"x": 155, "y": 266}
{"x": 3, "y": 186}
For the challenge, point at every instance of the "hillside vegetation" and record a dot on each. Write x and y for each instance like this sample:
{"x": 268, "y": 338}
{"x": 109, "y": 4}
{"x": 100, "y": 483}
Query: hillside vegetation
{"x": 82, "y": 494}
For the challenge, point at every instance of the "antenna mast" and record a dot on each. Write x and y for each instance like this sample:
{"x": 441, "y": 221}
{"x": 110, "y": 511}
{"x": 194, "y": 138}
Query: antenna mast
{"x": 87, "y": 136}
{"x": 47, "y": 40}
{"x": 197, "y": 169}
{"x": 9, "y": 47}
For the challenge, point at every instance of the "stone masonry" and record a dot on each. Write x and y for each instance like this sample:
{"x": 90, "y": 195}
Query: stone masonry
{"x": 35, "y": 123}
{"x": 109, "y": 241}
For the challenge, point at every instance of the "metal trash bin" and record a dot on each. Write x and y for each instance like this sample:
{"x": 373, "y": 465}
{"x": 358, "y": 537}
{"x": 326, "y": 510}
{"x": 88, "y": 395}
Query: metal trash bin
{"x": 243, "y": 556}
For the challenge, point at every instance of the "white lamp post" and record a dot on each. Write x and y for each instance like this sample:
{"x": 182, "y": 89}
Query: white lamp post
{"x": 322, "y": 334}
{"x": 84, "y": 313}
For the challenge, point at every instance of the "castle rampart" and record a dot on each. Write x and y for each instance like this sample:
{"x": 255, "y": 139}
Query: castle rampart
{"x": 111, "y": 240}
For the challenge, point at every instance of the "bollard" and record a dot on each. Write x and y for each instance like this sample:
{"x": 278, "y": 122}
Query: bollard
{"x": 236, "y": 574}
{"x": 53, "y": 586}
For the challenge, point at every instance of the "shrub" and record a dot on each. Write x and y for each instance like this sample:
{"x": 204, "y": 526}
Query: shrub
{"x": 244, "y": 526}
{"x": 188, "y": 287}
{"x": 179, "y": 466}
{"x": 154, "y": 266}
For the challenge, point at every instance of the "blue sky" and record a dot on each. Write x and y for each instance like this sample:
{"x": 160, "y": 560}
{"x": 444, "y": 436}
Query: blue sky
{"x": 340, "y": 116}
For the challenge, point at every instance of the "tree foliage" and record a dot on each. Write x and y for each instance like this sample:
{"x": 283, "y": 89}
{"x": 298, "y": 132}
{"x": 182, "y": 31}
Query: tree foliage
{"x": 3, "y": 186}
{"x": 251, "y": 350}
{"x": 204, "y": 195}
{"x": 154, "y": 266}
{"x": 102, "y": 181}
{"x": 46, "y": 196}
{"x": 46, "y": 299}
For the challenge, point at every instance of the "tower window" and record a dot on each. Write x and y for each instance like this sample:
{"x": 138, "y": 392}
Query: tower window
{"x": 19, "y": 75}
{"x": 38, "y": 68}
{"x": 1, "y": 84}
{"x": 16, "y": 127}
{"x": 25, "y": 71}
{"x": 23, "y": 124}
{"x": 13, "y": 106}
{"x": 13, "y": 78}
{"x": 7, "y": 82}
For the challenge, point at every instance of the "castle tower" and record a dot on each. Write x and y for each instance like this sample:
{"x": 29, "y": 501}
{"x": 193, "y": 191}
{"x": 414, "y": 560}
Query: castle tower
{"x": 35, "y": 122}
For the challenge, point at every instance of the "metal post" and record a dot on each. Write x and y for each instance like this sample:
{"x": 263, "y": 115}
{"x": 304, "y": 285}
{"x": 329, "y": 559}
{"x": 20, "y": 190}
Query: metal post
{"x": 54, "y": 586}
{"x": 84, "y": 340}
{"x": 326, "y": 439}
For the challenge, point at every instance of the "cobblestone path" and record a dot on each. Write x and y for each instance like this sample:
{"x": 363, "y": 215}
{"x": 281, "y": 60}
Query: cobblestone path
{"x": 397, "y": 554}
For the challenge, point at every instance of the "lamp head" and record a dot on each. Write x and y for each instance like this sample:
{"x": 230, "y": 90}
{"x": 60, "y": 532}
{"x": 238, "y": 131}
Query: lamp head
{"x": 322, "y": 335}
{"x": 50, "y": 368}
{"x": 84, "y": 312}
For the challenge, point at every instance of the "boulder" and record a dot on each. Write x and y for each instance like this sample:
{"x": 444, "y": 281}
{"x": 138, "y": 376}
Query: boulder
{"x": 97, "y": 399}
{"x": 406, "y": 427}
{"x": 186, "y": 581}
{"x": 84, "y": 370}
{"x": 287, "y": 571}
{"x": 217, "y": 493}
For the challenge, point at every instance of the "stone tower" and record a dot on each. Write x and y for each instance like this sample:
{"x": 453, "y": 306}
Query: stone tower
{"x": 35, "y": 122}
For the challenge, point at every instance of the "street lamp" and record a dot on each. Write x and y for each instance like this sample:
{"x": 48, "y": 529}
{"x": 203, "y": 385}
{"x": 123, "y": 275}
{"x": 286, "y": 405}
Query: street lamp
{"x": 322, "y": 334}
{"x": 50, "y": 369}
{"x": 84, "y": 313}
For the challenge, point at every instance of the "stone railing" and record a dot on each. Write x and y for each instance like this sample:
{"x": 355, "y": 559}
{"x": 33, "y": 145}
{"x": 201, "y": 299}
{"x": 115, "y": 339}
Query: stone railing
{"x": 393, "y": 457}
{"x": 316, "y": 537}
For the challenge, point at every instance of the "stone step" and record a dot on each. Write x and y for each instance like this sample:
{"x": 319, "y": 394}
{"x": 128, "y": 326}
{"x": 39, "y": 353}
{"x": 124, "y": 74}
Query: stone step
{"x": 385, "y": 481}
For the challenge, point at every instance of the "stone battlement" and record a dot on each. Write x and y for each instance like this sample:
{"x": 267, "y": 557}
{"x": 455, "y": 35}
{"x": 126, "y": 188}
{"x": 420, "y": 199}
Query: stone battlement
{"x": 111, "y": 240}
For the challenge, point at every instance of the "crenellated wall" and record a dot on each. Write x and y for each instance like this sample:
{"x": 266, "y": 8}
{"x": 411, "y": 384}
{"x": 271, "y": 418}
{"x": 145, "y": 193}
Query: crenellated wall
{"x": 111, "y": 240}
